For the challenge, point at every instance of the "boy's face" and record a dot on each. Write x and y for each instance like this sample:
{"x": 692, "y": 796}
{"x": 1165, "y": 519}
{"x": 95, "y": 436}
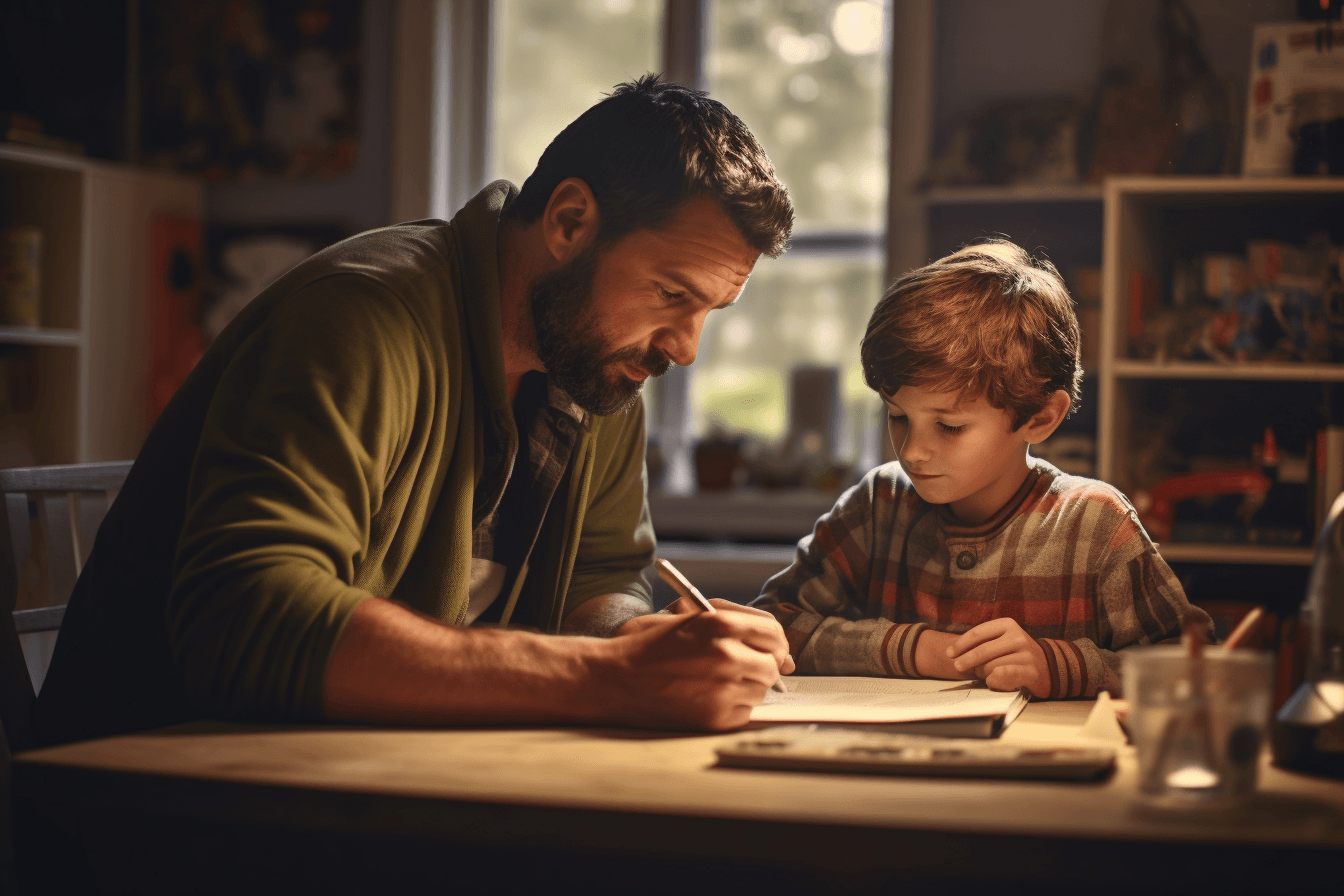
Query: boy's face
{"x": 956, "y": 451}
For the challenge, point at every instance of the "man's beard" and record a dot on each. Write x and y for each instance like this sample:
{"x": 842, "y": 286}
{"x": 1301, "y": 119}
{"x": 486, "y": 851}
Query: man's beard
{"x": 577, "y": 358}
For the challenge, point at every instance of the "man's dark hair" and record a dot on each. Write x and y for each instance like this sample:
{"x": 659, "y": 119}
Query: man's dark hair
{"x": 648, "y": 148}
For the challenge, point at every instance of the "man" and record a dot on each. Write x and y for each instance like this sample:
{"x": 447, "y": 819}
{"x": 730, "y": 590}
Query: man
{"x": 428, "y": 432}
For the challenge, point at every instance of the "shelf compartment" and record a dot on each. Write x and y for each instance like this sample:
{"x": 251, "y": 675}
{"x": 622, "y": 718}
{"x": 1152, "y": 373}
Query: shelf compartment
{"x": 1152, "y": 224}
{"x": 51, "y": 199}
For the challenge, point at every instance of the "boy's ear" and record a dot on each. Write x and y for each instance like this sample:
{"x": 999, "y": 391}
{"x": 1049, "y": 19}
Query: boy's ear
{"x": 1045, "y": 421}
{"x": 570, "y": 222}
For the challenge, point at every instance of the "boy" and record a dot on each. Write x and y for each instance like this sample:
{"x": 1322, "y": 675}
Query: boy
{"x": 968, "y": 558}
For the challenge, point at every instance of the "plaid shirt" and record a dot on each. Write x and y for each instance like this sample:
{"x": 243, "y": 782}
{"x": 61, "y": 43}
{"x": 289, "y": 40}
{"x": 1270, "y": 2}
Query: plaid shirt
{"x": 1066, "y": 558}
{"x": 512, "y": 497}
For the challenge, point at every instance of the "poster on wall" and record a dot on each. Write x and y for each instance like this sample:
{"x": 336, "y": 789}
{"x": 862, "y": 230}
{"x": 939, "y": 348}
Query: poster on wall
{"x": 242, "y": 260}
{"x": 252, "y": 89}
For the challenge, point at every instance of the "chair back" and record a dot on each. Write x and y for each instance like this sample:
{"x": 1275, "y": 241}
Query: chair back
{"x": 38, "y": 569}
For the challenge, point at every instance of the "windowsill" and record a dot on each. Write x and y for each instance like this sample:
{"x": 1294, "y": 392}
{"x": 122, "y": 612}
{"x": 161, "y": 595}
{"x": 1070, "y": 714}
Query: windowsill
{"x": 781, "y": 516}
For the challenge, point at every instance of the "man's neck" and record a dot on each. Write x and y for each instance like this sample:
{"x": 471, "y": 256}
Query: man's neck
{"x": 519, "y": 246}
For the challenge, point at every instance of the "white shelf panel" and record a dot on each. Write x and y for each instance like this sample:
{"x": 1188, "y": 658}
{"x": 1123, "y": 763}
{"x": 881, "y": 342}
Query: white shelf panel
{"x": 1232, "y": 190}
{"x": 1196, "y": 370}
{"x": 1235, "y": 553}
{"x": 39, "y": 336}
{"x": 1016, "y": 193}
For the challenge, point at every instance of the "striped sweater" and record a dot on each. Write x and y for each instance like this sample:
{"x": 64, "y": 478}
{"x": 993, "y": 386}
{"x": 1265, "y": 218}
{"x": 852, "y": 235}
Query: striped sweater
{"x": 1066, "y": 557}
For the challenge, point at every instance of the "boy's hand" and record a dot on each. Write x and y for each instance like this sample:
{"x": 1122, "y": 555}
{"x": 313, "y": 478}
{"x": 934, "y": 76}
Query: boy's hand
{"x": 1004, "y": 656}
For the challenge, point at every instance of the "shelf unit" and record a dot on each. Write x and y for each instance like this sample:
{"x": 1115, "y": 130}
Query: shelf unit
{"x": 90, "y": 358}
{"x": 1150, "y": 225}
{"x": 1062, "y": 222}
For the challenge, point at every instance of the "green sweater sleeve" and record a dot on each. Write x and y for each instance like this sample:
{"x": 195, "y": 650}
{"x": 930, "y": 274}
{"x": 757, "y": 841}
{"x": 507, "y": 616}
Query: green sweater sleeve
{"x": 306, "y": 425}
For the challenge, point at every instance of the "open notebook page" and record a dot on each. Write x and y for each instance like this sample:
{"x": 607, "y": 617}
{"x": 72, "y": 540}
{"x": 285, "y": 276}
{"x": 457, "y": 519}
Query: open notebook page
{"x": 841, "y": 698}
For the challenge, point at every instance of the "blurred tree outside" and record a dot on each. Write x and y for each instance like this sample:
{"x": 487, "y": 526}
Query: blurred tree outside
{"x": 553, "y": 60}
{"x": 809, "y": 77}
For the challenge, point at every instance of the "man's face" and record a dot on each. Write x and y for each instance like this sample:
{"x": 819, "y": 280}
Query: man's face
{"x": 613, "y": 317}
{"x": 956, "y": 451}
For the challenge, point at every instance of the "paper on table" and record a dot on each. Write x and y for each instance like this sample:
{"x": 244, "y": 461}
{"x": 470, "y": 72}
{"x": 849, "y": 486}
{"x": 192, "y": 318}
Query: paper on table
{"x": 853, "y": 699}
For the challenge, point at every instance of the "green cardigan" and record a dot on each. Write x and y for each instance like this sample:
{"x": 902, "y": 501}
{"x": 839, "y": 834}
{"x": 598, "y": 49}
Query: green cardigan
{"x": 326, "y": 449}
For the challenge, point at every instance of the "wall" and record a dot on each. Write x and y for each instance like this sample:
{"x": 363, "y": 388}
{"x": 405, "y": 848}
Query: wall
{"x": 360, "y": 201}
{"x": 987, "y": 49}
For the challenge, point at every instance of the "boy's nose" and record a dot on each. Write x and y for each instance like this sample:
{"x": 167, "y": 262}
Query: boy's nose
{"x": 913, "y": 451}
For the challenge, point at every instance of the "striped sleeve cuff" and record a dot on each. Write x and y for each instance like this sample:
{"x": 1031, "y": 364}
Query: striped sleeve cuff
{"x": 898, "y": 649}
{"x": 1068, "y": 669}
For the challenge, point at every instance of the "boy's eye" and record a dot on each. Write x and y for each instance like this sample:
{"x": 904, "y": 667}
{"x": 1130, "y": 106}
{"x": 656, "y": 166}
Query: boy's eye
{"x": 951, "y": 429}
{"x": 898, "y": 419}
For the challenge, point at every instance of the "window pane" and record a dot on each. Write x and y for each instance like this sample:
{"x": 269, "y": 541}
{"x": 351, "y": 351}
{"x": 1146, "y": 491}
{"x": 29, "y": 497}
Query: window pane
{"x": 553, "y": 60}
{"x": 796, "y": 310}
{"x": 810, "y": 80}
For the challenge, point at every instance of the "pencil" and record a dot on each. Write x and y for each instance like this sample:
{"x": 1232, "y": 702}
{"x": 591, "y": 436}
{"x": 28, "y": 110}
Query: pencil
{"x": 682, "y": 585}
{"x": 1245, "y": 625}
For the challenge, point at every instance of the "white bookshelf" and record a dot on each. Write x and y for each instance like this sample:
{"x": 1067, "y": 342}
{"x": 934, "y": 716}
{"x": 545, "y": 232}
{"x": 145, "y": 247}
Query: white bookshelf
{"x": 91, "y": 353}
{"x": 1147, "y": 222}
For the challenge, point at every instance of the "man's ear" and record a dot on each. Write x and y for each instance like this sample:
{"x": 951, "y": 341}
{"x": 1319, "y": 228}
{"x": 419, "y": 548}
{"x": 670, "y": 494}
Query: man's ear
{"x": 570, "y": 222}
{"x": 1045, "y": 421}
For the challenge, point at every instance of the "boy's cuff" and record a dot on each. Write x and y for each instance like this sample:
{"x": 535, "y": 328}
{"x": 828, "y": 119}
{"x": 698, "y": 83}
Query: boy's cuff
{"x": 898, "y": 649}
{"x": 798, "y": 624}
{"x": 1068, "y": 669}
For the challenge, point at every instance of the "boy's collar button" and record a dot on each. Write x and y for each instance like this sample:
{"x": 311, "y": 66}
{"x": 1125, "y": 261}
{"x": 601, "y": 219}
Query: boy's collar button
{"x": 966, "y": 560}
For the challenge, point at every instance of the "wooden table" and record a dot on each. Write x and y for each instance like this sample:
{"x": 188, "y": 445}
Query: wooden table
{"x": 235, "y": 808}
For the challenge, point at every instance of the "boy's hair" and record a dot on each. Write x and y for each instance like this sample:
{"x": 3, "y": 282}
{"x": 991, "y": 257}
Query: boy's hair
{"x": 648, "y": 148}
{"x": 989, "y": 319}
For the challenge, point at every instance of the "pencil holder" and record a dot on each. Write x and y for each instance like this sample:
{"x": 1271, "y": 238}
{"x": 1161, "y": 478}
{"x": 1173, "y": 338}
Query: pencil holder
{"x": 1198, "y": 726}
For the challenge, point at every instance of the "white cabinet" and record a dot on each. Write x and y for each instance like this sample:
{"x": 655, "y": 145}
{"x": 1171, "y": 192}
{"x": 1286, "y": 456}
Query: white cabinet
{"x": 84, "y": 394}
{"x": 1153, "y": 398}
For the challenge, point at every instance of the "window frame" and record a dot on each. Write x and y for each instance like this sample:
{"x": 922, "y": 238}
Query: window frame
{"x": 456, "y": 109}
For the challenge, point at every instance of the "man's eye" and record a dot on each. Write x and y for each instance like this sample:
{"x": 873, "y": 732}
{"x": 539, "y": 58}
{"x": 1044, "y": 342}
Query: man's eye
{"x": 670, "y": 296}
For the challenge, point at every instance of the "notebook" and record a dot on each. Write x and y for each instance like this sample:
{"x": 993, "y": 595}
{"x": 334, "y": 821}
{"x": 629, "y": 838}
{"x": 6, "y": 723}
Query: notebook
{"x": 910, "y": 706}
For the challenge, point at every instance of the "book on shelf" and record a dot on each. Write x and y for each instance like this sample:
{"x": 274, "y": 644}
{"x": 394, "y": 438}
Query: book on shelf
{"x": 15, "y": 127}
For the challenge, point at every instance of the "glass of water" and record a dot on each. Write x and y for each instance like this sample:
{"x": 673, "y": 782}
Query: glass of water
{"x": 1198, "y": 727}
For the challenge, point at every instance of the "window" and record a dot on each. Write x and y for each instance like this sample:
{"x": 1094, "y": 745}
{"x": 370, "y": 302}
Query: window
{"x": 811, "y": 80}
{"x": 550, "y": 61}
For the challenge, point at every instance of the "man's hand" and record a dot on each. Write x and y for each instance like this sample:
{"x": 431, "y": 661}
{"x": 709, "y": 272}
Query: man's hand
{"x": 766, "y": 632}
{"x": 692, "y": 669}
{"x": 665, "y": 670}
{"x": 1003, "y": 655}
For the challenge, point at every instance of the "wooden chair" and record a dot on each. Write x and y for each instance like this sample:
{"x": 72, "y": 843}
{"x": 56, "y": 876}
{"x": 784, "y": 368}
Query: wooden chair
{"x": 70, "y": 501}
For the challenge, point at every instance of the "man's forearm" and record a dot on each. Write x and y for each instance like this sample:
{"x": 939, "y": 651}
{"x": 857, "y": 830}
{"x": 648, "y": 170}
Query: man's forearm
{"x": 393, "y": 665}
{"x": 680, "y": 670}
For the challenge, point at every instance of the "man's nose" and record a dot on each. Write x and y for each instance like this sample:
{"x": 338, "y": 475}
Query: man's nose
{"x": 681, "y": 342}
